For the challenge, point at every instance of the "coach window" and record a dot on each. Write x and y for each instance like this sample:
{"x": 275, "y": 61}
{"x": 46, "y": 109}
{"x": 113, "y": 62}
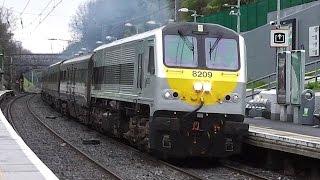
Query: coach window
{"x": 222, "y": 53}
{"x": 180, "y": 51}
{"x": 151, "y": 68}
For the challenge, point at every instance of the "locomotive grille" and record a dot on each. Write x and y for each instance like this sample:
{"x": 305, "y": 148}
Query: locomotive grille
{"x": 117, "y": 68}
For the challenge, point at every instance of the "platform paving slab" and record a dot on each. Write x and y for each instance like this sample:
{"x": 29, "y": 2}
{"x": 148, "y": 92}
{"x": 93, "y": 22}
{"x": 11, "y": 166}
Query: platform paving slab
{"x": 17, "y": 161}
{"x": 284, "y": 136}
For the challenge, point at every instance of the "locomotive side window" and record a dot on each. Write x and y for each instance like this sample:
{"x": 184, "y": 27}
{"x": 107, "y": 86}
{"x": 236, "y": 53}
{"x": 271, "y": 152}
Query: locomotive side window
{"x": 151, "y": 68}
{"x": 222, "y": 53}
{"x": 181, "y": 51}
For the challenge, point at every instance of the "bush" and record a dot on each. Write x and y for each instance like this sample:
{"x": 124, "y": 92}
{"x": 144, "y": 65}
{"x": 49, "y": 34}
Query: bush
{"x": 313, "y": 85}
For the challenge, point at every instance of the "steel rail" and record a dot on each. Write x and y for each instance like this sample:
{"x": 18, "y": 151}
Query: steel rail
{"x": 188, "y": 173}
{"x": 106, "y": 169}
{"x": 9, "y": 112}
{"x": 243, "y": 171}
{"x": 151, "y": 158}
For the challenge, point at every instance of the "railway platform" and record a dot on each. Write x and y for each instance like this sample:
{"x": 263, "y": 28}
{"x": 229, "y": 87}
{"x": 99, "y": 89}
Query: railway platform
{"x": 284, "y": 136}
{"x": 17, "y": 160}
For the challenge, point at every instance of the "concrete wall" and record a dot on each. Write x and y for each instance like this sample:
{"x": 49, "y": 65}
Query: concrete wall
{"x": 262, "y": 58}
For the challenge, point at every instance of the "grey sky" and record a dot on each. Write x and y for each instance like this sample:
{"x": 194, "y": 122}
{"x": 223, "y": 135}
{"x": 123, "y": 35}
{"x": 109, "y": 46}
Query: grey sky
{"x": 34, "y": 36}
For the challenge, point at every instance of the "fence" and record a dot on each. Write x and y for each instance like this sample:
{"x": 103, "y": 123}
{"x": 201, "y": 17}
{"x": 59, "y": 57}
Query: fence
{"x": 253, "y": 15}
{"x": 312, "y": 71}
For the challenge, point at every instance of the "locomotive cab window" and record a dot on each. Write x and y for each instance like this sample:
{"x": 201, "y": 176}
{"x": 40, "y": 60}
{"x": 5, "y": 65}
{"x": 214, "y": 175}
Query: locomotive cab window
{"x": 222, "y": 53}
{"x": 180, "y": 51}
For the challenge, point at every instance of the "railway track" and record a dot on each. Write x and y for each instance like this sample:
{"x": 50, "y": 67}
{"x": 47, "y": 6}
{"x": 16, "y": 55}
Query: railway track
{"x": 36, "y": 117}
{"x": 9, "y": 112}
{"x": 190, "y": 173}
{"x": 243, "y": 171}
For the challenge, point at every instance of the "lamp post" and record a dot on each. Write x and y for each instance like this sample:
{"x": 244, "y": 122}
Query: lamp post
{"x": 194, "y": 15}
{"x": 235, "y": 11}
{"x": 131, "y": 25}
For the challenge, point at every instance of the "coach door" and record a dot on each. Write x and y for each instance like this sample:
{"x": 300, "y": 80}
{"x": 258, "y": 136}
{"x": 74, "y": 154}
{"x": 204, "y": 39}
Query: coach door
{"x": 73, "y": 79}
{"x": 146, "y": 69}
{"x": 140, "y": 68}
{"x": 150, "y": 68}
{"x": 68, "y": 80}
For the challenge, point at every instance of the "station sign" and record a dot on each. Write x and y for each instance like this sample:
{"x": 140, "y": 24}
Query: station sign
{"x": 314, "y": 41}
{"x": 283, "y": 77}
{"x": 297, "y": 75}
{"x": 279, "y": 38}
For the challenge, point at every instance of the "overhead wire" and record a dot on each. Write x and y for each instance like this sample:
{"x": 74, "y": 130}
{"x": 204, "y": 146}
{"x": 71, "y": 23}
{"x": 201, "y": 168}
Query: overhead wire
{"x": 25, "y": 7}
{"x": 40, "y": 14}
{"x": 53, "y": 8}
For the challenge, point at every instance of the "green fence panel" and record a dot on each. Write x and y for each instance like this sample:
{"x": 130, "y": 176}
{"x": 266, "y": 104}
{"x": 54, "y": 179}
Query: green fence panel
{"x": 252, "y": 16}
{"x": 233, "y": 22}
{"x": 272, "y": 5}
{"x": 226, "y": 18}
{"x": 306, "y": 1}
{"x": 262, "y": 7}
{"x": 285, "y": 4}
{"x": 296, "y": 2}
{"x": 244, "y": 18}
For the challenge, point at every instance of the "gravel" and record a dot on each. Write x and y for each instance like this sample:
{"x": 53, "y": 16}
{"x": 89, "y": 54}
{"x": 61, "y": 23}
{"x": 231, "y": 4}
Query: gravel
{"x": 126, "y": 162}
{"x": 63, "y": 160}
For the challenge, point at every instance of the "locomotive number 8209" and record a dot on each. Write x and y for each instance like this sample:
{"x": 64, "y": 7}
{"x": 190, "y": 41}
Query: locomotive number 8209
{"x": 202, "y": 74}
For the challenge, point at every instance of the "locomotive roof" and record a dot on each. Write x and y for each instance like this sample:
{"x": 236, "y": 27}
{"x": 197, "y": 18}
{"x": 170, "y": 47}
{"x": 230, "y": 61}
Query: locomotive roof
{"x": 78, "y": 59}
{"x": 155, "y": 31}
{"x": 55, "y": 64}
{"x": 129, "y": 39}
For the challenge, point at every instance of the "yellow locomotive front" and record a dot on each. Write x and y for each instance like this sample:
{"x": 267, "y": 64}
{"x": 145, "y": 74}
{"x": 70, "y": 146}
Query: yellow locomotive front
{"x": 199, "y": 92}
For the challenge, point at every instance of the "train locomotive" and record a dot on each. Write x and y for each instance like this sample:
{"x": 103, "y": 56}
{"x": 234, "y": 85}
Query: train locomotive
{"x": 177, "y": 91}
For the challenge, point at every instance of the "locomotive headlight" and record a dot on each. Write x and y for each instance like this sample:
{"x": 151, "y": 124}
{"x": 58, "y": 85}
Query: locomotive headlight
{"x": 235, "y": 98}
{"x": 207, "y": 87}
{"x": 167, "y": 95}
{"x": 197, "y": 86}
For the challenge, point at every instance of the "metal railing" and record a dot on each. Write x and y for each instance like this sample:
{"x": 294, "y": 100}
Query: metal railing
{"x": 312, "y": 71}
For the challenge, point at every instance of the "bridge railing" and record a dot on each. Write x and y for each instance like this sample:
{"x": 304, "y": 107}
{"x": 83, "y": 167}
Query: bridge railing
{"x": 312, "y": 71}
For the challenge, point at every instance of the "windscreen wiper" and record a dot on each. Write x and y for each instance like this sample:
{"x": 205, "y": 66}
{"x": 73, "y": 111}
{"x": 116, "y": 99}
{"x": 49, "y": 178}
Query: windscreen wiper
{"x": 215, "y": 44}
{"x": 186, "y": 41}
